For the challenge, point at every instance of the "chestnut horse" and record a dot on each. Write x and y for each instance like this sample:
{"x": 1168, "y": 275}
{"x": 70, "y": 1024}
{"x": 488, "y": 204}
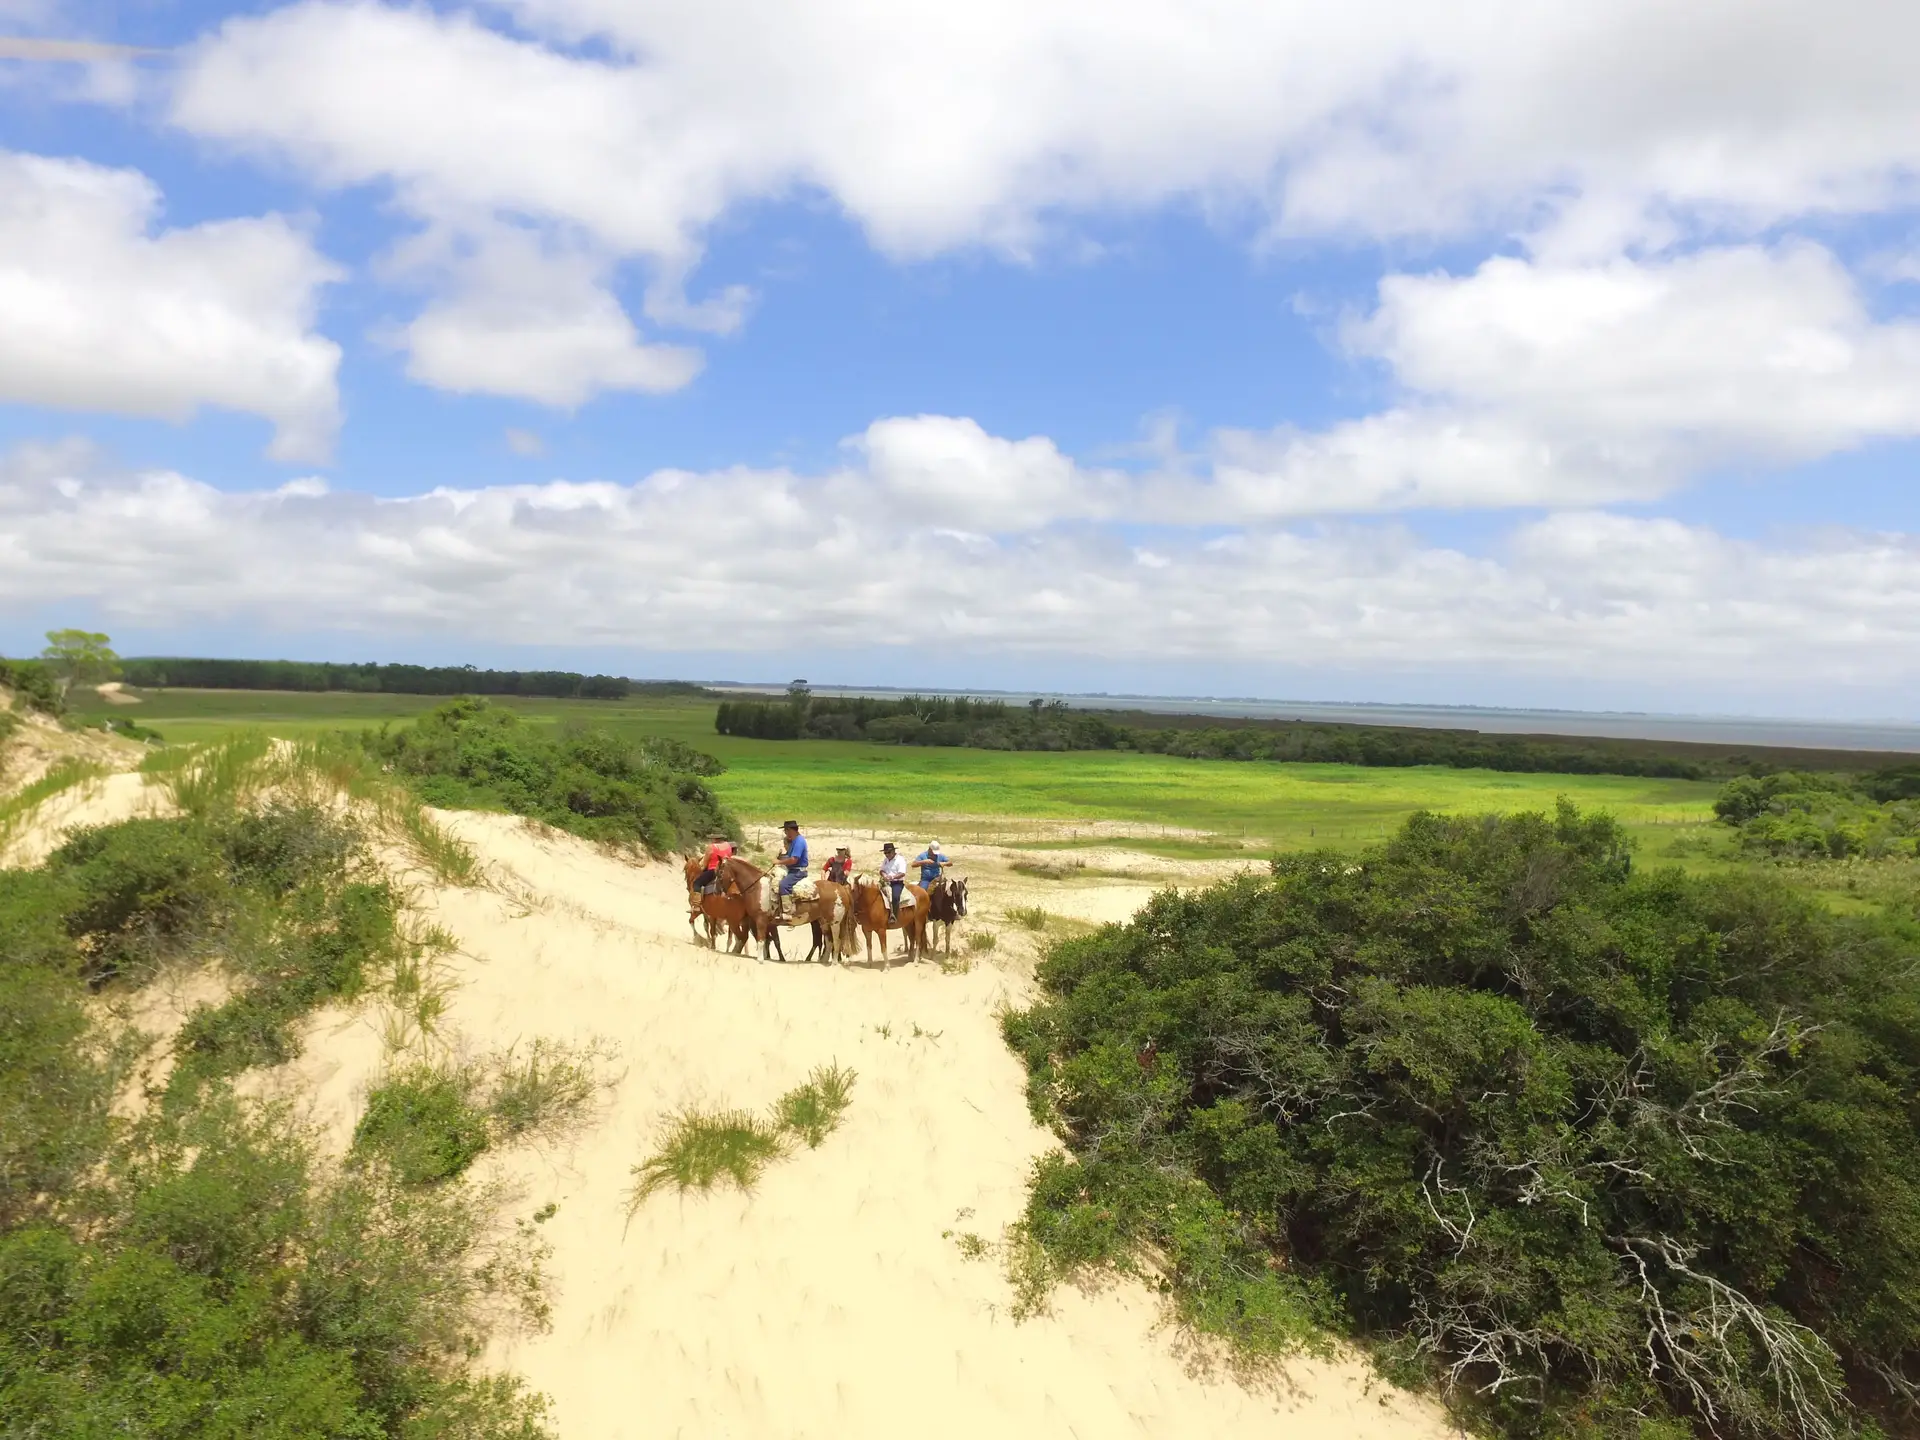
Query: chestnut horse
{"x": 755, "y": 888}
{"x": 869, "y": 912}
{"x": 718, "y": 910}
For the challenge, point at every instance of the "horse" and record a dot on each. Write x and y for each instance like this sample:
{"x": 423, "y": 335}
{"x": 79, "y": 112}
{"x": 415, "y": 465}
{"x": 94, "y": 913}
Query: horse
{"x": 755, "y": 889}
{"x": 869, "y": 912}
{"x": 946, "y": 903}
{"x": 719, "y": 909}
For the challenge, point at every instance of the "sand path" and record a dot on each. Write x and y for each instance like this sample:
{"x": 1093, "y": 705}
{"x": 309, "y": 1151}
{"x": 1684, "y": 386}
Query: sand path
{"x": 828, "y": 1303}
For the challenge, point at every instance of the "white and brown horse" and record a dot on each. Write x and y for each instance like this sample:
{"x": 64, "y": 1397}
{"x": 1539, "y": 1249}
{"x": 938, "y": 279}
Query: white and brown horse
{"x": 824, "y": 912}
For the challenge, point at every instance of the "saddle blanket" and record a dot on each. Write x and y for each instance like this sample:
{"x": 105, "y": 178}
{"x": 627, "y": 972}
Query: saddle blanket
{"x": 806, "y": 891}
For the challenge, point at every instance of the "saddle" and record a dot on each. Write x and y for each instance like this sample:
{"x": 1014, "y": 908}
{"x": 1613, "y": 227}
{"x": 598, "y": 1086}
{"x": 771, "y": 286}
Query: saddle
{"x": 806, "y": 891}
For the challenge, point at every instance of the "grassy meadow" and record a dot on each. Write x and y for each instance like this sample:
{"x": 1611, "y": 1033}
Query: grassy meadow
{"x": 1164, "y": 803}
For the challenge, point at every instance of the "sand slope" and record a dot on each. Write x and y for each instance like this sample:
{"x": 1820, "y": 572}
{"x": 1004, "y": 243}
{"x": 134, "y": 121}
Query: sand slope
{"x": 828, "y": 1303}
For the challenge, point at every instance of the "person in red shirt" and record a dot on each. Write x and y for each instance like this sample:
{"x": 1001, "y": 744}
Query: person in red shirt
{"x": 839, "y": 866}
{"x": 720, "y": 848}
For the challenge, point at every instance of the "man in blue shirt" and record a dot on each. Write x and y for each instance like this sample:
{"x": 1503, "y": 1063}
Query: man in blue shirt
{"x": 794, "y": 857}
{"x": 931, "y": 863}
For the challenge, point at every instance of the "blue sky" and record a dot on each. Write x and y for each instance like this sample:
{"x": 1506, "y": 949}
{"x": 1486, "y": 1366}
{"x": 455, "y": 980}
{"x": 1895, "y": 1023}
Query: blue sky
{"x": 1554, "y": 358}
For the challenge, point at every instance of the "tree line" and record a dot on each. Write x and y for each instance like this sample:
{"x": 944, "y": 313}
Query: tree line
{"x": 1051, "y": 725}
{"x": 160, "y": 672}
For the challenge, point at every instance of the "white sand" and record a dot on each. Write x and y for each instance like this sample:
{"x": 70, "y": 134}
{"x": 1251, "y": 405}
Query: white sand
{"x": 829, "y": 1303}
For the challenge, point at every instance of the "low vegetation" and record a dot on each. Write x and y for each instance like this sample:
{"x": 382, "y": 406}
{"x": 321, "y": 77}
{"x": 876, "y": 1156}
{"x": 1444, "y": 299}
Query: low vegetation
{"x": 1603, "y": 1153}
{"x": 702, "y": 1148}
{"x": 33, "y": 684}
{"x": 591, "y": 782}
{"x": 201, "y": 1269}
{"x": 429, "y": 1120}
{"x": 1793, "y": 814}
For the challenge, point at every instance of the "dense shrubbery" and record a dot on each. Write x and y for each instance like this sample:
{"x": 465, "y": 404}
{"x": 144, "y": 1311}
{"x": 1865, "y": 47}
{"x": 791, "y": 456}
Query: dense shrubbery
{"x": 201, "y": 1272}
{"x": 596, "y": 784}
{"x": 160, "y": 672}
{"x": 33, "y": 685}
{"x": 994, "y": 725}
{"x": 1791, "y": 814}
{"x": 1618, "y": 1154}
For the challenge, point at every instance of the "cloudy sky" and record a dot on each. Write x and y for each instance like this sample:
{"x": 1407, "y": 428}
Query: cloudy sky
{"x": 1512, "y": 353}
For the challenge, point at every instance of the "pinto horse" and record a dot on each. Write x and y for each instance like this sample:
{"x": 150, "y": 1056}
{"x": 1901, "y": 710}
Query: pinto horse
{"x": 755, "y": 888}
{"x": 869, "y": 912}
{"x": 946, "y": 903}
{"x": 719, "y": 909}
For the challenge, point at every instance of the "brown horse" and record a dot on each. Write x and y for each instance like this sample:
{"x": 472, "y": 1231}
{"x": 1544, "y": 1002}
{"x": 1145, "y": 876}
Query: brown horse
{"x": 869, "y": 912}
{"x": 719, "y": 910}
{"x": 755, "y": 889}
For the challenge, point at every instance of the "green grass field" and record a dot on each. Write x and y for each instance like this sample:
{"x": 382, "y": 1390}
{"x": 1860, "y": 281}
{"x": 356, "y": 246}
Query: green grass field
{"x": 1185, "y": 807}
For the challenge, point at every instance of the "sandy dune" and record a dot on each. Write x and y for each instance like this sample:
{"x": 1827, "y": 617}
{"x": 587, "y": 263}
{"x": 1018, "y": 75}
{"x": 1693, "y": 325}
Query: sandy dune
{"x": 828, "y": 1303}
{"x": 833, "y": 1301}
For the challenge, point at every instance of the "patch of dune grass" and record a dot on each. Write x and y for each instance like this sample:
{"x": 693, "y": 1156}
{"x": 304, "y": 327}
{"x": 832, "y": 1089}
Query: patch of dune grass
{"x": 981, "y": 941}
{"x": 545, "y": 1087}
{"x": 221, "y": 776}
{"x": 702, "y": 1148}
{"x": 812, "y": 1111}
{"x": 1028, "y": 917}
{"x": 17, "y": 808}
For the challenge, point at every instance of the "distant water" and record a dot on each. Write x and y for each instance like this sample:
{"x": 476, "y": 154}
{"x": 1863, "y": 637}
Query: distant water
{"x": 1706, "y": 729}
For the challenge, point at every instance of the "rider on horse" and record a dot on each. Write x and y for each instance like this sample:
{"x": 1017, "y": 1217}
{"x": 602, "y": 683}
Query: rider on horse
{"x": 719, "y": 847}
{"x": 893, "y": 875}
{"x": 840, "y": 866}
{"x": 793, "y": 857}
{"x": 931, "y": 861}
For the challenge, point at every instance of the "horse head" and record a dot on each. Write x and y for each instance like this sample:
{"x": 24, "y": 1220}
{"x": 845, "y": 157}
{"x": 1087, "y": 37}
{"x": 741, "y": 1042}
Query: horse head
{"x": 957, "y": 887}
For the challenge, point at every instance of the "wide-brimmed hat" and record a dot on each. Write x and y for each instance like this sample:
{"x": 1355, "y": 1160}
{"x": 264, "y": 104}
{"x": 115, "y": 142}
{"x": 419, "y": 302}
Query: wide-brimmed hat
{"x": 887, "y": 846}
{"x": 789, "y": 824}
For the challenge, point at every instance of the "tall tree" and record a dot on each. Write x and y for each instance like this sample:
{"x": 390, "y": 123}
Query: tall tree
{"x": 80, "y": 657}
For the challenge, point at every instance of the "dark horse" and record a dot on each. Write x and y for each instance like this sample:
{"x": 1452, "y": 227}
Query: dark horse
{"x": 946, "y": 903}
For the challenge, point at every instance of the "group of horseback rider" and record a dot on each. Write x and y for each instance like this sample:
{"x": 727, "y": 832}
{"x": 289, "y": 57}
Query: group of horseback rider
{"x": 794, "y": 859}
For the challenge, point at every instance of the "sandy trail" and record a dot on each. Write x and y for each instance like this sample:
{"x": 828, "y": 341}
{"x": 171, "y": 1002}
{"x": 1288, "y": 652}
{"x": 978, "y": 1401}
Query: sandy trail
{"x": 829, "y": 1302}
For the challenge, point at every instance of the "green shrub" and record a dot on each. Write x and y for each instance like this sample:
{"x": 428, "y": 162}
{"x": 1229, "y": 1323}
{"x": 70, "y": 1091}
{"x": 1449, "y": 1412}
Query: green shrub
{"x": 1028, "y": 917}
{"x": 981, "y": 941}
{"x": 469, "y": 754}
{"x": 33, "y": 685}
{"x": 1601, "y": 1150}
{"x": 425, "y": 1122}
{"x": 141, "y": 890}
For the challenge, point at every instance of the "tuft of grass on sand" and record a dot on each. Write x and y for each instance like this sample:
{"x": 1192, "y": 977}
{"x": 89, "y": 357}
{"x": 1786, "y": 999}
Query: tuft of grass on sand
{"x": 1029, "y": 917}
{"x": 16, "y": 809}
{"x": 812, "y": 1111}
{"x": 981, "y": 941}
{"x": 703, "y": 1148}
{"x": 546, "y": 1087}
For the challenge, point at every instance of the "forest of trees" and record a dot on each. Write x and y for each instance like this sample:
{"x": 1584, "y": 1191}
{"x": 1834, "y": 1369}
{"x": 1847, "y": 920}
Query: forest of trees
{"x": 159, "y": 672}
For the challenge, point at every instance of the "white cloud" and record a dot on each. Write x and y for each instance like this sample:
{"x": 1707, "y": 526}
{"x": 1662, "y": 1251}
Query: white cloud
{"x": 99, "y": 311}
{"x": 1582, "y": 595}
{"x": 938, "y": 125}
{"x": 521, "y": 318}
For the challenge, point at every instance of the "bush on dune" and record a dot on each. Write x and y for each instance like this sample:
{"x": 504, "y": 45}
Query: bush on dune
{"x": 1609, "y": 1154}
{"x": 201, "y": 1271}
{"x": 591, "y": 782}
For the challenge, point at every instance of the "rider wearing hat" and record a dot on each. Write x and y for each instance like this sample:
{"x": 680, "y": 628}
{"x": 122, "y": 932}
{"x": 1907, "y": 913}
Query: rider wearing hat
{"x": 839, "y": 866}
{"x": 931, "y": 862}
{"x": 893, "y": 875}
{"x": 793, "y": 857}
